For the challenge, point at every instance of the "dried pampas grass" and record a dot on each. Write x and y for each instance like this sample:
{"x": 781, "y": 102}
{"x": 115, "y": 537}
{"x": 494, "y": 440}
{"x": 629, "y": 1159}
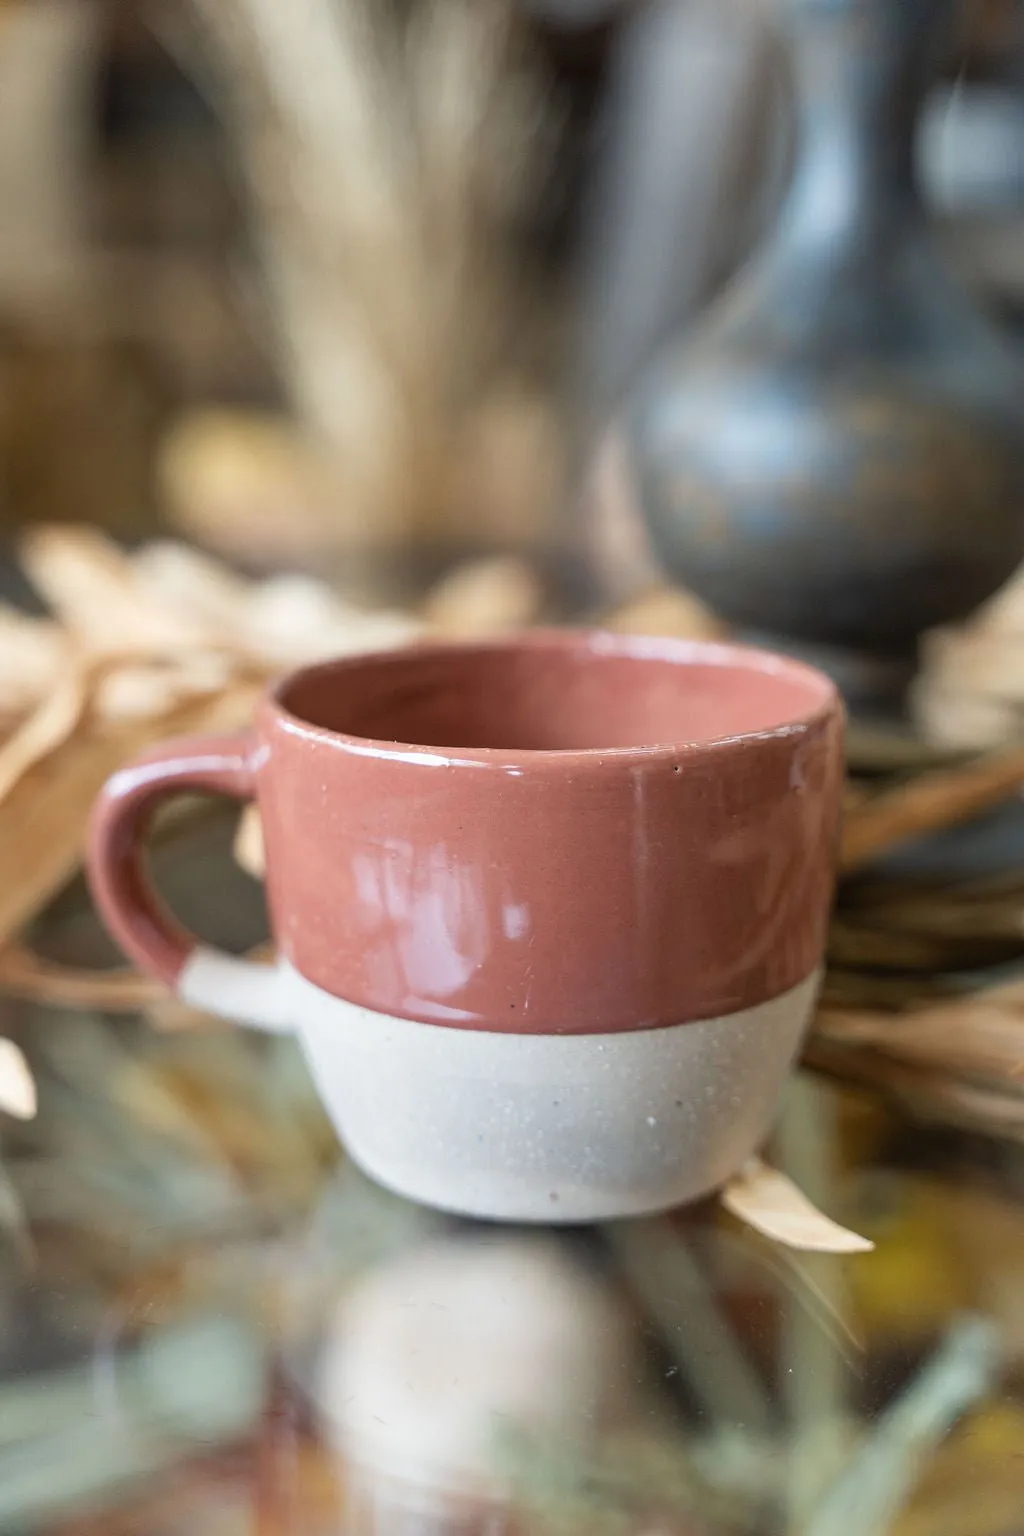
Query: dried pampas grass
{"x": 387, "y": 153}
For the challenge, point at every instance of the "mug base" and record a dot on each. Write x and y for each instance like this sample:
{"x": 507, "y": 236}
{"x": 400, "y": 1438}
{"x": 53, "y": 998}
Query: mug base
{"x": 549, "y": 1128}
{"x": 568, "y": 1208}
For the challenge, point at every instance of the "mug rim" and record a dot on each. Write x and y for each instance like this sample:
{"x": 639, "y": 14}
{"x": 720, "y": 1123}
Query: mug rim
{"x": 823, "y": 696}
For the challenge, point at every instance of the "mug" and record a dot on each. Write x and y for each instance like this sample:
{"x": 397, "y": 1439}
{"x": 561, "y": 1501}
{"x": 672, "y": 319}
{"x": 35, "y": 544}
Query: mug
{"x": 549, "y": 910}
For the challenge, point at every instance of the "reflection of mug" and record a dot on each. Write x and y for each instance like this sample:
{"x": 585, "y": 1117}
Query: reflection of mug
{"x": 550, "y": 910}
{"x": 442, "y": 1369}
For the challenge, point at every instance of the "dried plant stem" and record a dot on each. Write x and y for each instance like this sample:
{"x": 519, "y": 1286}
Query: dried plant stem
{"x": 188, "y": 1388}
{"x": 370, "y": 149}
{"x": 658, "y": 1265}
{"x": 931, "y": 1096}
{"x": 971, "y": 1037}
{"x": 869, "y": 1493}
{"x": 25, "y": 975}
{"x": 814, "y": 1387}
{"x": 929, "y": 802}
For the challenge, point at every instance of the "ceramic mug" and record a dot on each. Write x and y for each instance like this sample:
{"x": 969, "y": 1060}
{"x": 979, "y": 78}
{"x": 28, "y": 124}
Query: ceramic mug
{"x": 550, "y": 910}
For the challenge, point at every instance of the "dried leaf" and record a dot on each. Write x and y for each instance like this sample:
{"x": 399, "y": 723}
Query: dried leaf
{"x": 181, "y": 577}
{"x": 95, "y": 591}
{"x": 17, "y": 1085}
{"x": 485, "y": 597}
{"x": 986, "y": 664}
{"x": 43, "y": 816}
{"x": 769, "y": 1202}
{"x": 963, "y": 721}
{"x": 151, "y": 689}
{"x": 46, "y": 729}
{"x": 249, "y": 485}
{"x": 35, "y": 653}
{"x": 666, "y": 611}
{"x": 248, "y": 847}
{"x": 293, "y": 621}
{"x": 115, "y": 689}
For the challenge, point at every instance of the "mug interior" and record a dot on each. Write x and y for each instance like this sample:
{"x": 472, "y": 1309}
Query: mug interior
{"x": 558, "y": 693}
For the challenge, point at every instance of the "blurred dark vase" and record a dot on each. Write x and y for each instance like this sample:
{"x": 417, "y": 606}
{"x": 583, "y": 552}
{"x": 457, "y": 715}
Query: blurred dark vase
{"x": 834, "y": 457}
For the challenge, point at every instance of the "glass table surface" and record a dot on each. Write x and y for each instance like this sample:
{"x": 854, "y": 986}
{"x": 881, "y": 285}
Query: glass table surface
{"x": 211, "y": 1322}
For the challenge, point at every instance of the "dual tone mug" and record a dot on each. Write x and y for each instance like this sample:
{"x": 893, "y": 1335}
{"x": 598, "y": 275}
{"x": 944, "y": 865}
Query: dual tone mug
{"x": 550, "y": 911}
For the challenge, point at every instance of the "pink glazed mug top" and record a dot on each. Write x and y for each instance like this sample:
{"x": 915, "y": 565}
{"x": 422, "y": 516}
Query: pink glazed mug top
{"x": 557, "y": 833}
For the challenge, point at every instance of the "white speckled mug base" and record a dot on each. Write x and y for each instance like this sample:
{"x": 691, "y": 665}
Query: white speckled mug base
{"x": 551, "y": 1128}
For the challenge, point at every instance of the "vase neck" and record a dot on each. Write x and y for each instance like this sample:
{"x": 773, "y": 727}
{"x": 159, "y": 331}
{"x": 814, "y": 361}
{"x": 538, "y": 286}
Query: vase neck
{"x": 861, "y": 71}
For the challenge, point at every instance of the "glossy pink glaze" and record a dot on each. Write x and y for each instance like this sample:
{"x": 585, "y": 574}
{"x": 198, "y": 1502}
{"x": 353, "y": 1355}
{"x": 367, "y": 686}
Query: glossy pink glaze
{"x": 571, "y": 846}
{"x": 135, "y": 915}
{"x": 554, "y": 833}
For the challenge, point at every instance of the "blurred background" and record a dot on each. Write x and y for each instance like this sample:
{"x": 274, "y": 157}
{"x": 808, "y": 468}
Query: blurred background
{"x": 325, "y": 324}
{"x": 356, "y": 288}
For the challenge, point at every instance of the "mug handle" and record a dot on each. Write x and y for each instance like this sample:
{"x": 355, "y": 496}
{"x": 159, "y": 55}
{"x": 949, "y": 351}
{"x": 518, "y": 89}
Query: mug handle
{"x": 209, "y": 979}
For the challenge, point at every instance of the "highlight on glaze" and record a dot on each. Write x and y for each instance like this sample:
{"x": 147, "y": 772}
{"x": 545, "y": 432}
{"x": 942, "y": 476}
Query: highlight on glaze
{"x": 554, "y": 834}
{"x": 549, "y": 911}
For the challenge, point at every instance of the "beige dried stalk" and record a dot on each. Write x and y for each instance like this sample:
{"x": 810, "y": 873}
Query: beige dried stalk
{"x": 929, "y": 802}
{"x": 383, "y": 163}
{"x": 970, "y": 690}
